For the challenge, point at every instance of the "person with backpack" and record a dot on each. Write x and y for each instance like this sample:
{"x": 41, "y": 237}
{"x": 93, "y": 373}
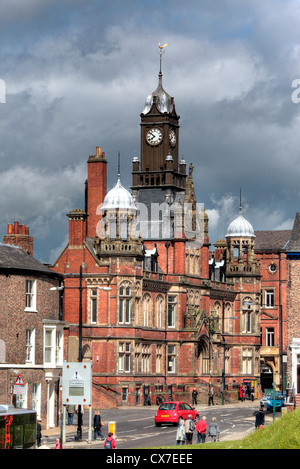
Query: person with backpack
{"x": 110, "y": 442}
{"x": 189, "y": 428}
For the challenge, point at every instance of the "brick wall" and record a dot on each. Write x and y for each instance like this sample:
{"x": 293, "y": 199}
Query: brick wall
{"x": 293, "y": 308}
{"x": 14, "y": 321}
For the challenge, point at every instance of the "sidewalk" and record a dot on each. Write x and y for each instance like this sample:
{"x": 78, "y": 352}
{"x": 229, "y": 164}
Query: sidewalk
{"x": 71, "y": 430}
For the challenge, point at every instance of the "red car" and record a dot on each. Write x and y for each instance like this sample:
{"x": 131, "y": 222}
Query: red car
{"x": 172, "y": 412}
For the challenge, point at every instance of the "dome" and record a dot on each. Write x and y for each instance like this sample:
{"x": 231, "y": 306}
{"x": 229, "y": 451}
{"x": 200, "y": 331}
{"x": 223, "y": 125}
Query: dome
{"x": 240, "y": 227}
{"x": 164, "y": 102}
{"x": 118, "y": 198}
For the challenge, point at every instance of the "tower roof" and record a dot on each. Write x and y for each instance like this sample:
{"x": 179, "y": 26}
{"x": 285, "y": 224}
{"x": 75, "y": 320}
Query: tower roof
{"x": 240, "y": 226}
{"x": 164, "y": 102}
{"x": 118, "y": 198}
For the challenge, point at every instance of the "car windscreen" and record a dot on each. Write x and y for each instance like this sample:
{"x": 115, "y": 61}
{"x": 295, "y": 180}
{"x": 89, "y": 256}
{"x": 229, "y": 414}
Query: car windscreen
{"x": 167, "y": 406}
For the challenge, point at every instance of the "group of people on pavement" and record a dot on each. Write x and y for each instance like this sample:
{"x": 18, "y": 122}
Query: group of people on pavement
{"x": 210, "y": 396}
{"x": 186, "y": 429}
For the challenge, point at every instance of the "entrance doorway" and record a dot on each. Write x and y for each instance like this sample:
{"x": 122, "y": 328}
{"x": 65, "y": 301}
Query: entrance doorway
{"x": 266, "y": 377}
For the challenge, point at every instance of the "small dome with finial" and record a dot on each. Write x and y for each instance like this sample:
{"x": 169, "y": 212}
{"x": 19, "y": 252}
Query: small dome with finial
{"x": 240, "y": 226}
{"x": 118, "y": 197}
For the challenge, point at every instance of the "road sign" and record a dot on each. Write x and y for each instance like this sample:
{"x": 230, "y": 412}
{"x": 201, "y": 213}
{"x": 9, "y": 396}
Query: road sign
{"x": 19, "y": 381}
{"x": 77, "y": 383}
{"x": 19, "y": 390}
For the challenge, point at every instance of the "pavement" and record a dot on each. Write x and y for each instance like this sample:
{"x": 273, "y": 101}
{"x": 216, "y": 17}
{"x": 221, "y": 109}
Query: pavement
{"x": 50, "y": 435}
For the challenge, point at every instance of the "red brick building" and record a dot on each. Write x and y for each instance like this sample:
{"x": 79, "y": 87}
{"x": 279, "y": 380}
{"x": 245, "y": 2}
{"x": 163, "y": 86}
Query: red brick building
{"x": 270, "y": 246}
{"x": 158, "y": 316}
{"x": 293, "y": 306}
{"x": 31, "y": 329}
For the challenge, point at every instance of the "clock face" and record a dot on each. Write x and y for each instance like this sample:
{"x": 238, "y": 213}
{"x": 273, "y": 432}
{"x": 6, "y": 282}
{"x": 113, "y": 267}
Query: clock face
{"x": 154, "y": 136}
{"x": 172, "y": 138}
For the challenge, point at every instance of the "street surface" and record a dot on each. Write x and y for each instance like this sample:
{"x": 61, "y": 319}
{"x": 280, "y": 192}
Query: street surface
{"x": 136, "y": 427}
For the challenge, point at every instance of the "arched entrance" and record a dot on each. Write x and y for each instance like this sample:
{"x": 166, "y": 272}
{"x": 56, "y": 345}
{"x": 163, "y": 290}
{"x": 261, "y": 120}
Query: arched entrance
{"x": 203, "y": 354}
{"x": 266, "y": 377}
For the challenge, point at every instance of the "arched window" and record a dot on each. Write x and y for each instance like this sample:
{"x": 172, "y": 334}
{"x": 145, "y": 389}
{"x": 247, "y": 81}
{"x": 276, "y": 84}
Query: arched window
{"x": 124, "y": 303}
{"x": 203, "y": 355}
{"x": 86, "y": 353}
{"x": 247, "y": 315}
{"x": 227, "y": 316}
{"x": 159, "y": 310}
{"x": 147, "y": 310}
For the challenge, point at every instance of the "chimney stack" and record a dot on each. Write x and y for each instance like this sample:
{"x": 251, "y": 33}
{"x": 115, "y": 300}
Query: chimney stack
{"x": 18, "y": 235}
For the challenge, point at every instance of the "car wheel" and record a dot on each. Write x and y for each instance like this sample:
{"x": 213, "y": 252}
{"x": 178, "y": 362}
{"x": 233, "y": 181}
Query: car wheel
{"x": 157, "y": 424}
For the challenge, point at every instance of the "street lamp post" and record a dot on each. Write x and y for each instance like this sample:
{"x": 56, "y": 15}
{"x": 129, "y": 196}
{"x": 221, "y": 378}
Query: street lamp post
{"x": 224, "y": 352}
{"x": 210, "y": 318}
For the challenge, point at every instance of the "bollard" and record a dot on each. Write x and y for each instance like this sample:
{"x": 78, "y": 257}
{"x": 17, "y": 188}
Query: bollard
{"x": 112, "y": 428}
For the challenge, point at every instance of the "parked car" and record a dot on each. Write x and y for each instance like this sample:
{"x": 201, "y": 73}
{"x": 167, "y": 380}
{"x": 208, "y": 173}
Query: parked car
{"x": 279, "y": 401}
{"x": 264, "y": 400}
{"x": 172, "y": 412}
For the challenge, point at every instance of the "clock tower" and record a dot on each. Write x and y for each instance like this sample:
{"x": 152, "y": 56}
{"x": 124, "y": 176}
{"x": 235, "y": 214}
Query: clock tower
{"x": 159, "y": 177}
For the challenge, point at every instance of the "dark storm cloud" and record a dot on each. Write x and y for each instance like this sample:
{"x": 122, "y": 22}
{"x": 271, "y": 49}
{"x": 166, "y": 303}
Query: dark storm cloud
{"x": 77, "y": 74}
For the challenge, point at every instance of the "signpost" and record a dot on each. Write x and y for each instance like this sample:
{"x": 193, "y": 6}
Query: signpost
{"x": 77, "y": 387}
{"x": 19, "y": 386}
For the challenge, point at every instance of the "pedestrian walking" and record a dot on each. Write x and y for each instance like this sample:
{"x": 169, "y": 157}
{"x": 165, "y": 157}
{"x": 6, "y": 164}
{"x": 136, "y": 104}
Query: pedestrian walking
{"x": 38, "y": 433}
{"x": 189, "y": 429}
{"x": 213, "y": 430}
{"x": 71, "y": 411}
{"x": 44, "y": 445}
{"x": 260, "y": 418}
{"x": 180, "y": 434}
{"x": 57, "y": 444}
{"x": 110, "y": 442}
{"x": 194, "y": 396}
{"x": 201, "y": 427}
{"x": 252, "y": 394}
{"x": 211, "y": 396}
{"x": 98, "y": 424}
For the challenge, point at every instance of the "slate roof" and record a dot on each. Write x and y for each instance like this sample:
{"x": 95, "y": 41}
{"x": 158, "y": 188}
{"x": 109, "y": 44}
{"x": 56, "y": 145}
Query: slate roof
{"x": 274, "y": 240}
{"x": 14, "y": 258}
{"x": 293, "y": 245}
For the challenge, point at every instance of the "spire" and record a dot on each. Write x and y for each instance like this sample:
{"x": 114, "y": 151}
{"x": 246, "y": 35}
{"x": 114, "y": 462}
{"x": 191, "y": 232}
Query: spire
{"x": 119, "y": 173}
{"x": 240, "y": 201}
{"x": 161, "y": 52}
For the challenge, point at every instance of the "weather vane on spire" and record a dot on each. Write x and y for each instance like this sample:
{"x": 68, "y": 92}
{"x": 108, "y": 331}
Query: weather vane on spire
{"x": 161, "y": 52}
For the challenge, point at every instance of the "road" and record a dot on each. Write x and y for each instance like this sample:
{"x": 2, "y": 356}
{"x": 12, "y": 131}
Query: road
{"x": 136, "y": 428}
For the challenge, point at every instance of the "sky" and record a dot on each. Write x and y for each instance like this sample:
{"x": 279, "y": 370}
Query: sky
{"x": 74, "y": 75}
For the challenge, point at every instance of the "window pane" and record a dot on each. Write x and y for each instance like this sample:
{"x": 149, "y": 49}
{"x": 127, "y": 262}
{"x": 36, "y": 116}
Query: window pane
{"x": 121, "y": 313}
{"x": 94, "y": 309}
{"x": 48, "y": 337}
{"x": 127, "y": 311}
{"x": 171, "y": 314}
